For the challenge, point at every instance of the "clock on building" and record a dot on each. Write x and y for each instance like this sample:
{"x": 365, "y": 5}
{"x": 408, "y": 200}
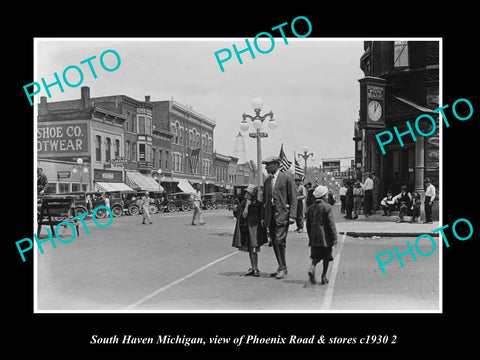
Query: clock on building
{"x": 374, "y": 110}
{"x": 372, "y": 103}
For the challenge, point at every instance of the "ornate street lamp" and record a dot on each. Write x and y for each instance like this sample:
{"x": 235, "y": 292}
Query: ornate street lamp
{"x": 305, "y": 157}
{"x": 257, "y": 122}
{"x": 80, "y": 167}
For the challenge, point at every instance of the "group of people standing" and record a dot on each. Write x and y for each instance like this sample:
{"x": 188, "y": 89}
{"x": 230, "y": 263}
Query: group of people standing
{"x": 266, "y": 219}
{"x": 355, "y": 196}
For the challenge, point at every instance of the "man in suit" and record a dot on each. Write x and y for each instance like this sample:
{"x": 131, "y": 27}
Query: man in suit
{"x": 280, "y": 203}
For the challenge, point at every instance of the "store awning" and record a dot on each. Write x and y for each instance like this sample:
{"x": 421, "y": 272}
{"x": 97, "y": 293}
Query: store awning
{"x": 185, "y": 186}
{"x": 412, "y": 104}
{"x": 140, "y": 181}
{"x": 112, "y": 186}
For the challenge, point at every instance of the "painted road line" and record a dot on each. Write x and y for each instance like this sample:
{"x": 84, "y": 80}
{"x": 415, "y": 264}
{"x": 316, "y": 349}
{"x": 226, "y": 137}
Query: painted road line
{"x": 193, "y": 273}
{"x": 327, "y": 300}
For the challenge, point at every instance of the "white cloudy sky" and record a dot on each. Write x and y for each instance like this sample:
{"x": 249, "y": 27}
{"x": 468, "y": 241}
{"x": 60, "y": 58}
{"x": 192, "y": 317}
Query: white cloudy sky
{"x": 310, "y": 85}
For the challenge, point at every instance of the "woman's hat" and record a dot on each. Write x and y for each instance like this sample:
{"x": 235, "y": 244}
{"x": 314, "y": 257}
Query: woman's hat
{"x": 320, "y": 191}
{"x": 251, "y": 189}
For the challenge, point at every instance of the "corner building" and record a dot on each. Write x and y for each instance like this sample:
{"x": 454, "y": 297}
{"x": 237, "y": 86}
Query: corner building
{"x": 401, "y": 82}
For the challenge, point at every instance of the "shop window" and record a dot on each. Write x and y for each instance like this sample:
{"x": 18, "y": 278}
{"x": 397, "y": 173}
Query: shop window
{"x": 63, "y": 187}
{"x": 75, "y": 187}
{"x": 84, "y": 187}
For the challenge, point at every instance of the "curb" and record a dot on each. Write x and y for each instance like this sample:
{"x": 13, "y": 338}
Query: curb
{"x": 385, "y": 234}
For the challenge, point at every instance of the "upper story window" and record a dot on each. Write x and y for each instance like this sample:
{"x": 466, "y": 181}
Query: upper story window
{"x": 400, "y": 51}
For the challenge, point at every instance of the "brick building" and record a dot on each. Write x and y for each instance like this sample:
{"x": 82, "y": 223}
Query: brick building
{"x": 191, "y": 143}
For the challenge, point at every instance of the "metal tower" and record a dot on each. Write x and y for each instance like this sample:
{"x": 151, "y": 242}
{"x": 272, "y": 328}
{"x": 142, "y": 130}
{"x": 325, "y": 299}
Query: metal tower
{"x": 239, "y": 151}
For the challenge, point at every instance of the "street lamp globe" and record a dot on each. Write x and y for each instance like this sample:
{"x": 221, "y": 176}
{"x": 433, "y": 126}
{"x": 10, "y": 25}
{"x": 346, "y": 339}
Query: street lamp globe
{"x": 272, "y": 124}
{"x": 257, "y": 103}
{"x": 79, "y": 161}
{"x": 244, "y": 126}
{"x": 159, "y": 171}
{"x": 305, "y": 148}
{"x": 85, "y": 170}
{"x": 257, "y": 124}
{"x": 74, "y": 170}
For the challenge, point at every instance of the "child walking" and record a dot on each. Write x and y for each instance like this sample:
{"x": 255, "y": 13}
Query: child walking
{"x": 249, "y": 234}
{"x": 322, "y": 233}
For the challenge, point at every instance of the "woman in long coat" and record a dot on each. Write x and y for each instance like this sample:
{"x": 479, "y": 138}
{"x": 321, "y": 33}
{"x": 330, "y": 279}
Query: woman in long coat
{"x": 322, "y": 233}
{"x": 249, "y": 234}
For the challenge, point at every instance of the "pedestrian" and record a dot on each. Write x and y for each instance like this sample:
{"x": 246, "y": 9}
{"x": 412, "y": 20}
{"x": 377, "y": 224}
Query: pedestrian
{"x": 342, "y": 193}
{"x": 375, "y": 191}
{"x": 145, "y": 201}
{"x": 310, "y": 199}
{"x": 430, "y": 194}
{"x": 107, "y": 200}
{"x": 249, "y": 235}
{"x": 416, "y": 202}
{"x": 357, "y": 199}
{"x": 330, "y": 198}
{"x": 42, "y": 182}
{"x": 280, "y": 208}
{"x": 301, "y": 196}
{"x": 322, "y": 233}
{"x": 368, "y": 191}
{"x": 308, "y": 187}
{"x": 349, "y": 201}
{"x": 404, "y": 199}
{"x": 388, "y": 204}
{"x": 197, "y": 206}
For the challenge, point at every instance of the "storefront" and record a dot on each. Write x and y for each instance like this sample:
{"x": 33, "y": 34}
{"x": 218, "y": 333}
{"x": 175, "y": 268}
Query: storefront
{"x": 65, "y": 176}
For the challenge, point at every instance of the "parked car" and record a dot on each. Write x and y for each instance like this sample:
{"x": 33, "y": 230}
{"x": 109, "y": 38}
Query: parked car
{"x": 209, "y": 201}
{"x": 156, "y": 201}
{"x": 82, "y": 205}
{"x": 176, "y": 201}
{"x": 123, "y": 201}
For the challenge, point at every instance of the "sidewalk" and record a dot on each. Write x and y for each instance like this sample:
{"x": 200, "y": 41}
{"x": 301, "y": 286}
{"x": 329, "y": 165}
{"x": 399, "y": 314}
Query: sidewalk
{"x": 383, "y": 226}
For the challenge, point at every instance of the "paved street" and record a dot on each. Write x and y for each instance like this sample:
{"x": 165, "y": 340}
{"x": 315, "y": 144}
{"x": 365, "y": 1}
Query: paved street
{"x": 171, "y": 265}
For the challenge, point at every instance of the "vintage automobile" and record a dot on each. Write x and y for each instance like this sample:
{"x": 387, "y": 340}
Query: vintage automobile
{"x": 156, "y": 201}
{"x": 123, "y": 201}
{"x": 82, "y": 204}
{"x": 209, "y": 201}
{"x": 175, "y": 201}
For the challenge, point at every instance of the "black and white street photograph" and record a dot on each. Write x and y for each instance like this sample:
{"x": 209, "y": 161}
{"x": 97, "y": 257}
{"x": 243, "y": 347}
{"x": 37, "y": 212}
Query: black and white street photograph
{"x": 282, "y": 173}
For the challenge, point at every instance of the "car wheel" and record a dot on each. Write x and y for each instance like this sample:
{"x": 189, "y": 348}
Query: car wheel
{"x": 79, "y": 210}
{"x": 171, "y": 207}
{"x": 185, "y": 207}
{"x": 153, "y": 209}
{"x": 117, "y": 210}
{"x": 101, "y": 213}
{"x": 133, "y": 210}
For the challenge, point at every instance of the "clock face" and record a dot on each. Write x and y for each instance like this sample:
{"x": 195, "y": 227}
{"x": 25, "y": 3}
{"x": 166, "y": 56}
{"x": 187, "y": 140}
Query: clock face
{"x": 374, "y": 110}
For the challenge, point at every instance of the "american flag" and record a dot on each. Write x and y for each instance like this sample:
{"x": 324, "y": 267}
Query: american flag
{"x": 284, "y": 163}
{"x": 194, "y": 156}
{"x": 298, "y": 170}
